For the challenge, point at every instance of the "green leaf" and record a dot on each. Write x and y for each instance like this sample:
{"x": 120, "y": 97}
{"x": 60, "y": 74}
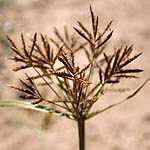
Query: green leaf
{"x": 28, "y": 105}
{"x": 118, "y": 102}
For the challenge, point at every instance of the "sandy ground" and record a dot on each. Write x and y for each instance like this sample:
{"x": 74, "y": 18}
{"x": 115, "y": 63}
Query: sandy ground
{"x": 126, "y": 127}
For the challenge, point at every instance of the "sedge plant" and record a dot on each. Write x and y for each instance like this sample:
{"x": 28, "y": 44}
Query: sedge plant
{"x": 79, "y": 90}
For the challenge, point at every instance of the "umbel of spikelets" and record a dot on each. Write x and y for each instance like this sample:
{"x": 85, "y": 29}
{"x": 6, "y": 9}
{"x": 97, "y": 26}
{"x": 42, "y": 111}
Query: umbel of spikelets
{"x": 78, "y": 91}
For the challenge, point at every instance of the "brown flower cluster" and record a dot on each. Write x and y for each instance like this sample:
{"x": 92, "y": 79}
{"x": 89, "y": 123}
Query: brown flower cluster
{"x": 76, "y": 83}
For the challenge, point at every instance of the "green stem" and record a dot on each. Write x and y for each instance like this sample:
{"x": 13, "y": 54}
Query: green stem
{"x": 81, "y": 132}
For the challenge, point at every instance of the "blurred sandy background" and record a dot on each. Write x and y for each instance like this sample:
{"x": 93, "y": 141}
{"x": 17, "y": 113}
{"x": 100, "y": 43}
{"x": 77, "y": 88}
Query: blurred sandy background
{"x": 126, "y": 127}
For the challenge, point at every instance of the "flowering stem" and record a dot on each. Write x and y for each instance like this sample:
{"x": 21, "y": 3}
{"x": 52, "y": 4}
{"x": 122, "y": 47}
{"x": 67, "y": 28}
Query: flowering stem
{"x": 81, "y": 132}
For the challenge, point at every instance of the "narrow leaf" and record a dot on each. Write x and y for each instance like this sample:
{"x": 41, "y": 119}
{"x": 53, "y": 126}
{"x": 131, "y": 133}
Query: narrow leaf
{"x": 119, "y": 102}
{"x": 27, "y": 105}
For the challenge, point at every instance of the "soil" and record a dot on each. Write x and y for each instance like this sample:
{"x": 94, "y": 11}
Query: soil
{"x": 125, "y": 127}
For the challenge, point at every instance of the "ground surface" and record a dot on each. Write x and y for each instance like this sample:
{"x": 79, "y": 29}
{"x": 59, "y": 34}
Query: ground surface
{"x": 126, "y": 127}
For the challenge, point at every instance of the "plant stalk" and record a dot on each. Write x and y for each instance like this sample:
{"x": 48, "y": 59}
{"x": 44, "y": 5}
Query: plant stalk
{"x": 81, "y": 133}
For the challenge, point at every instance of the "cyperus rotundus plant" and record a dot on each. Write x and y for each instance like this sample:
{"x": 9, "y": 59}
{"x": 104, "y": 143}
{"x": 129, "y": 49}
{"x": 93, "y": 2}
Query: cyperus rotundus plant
{"x": 79, "y": 91}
